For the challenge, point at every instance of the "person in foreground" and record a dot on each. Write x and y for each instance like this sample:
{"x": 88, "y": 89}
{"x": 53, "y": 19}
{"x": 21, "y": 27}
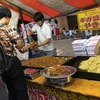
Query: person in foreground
{"x": 13, "y": 76}
{"x": 44, "y": 35}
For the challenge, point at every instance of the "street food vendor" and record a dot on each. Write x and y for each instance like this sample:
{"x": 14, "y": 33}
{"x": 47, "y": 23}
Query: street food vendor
{"x": 44, "y": 35}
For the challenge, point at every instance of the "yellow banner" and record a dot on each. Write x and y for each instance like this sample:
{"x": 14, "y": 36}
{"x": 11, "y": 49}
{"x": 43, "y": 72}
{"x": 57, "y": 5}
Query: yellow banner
{"x": 89, "y": 19}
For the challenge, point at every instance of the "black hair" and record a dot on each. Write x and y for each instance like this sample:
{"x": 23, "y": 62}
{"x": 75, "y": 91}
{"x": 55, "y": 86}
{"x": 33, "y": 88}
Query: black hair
{"x": 49, "y": 20}
{"x": 4, "y": 12}
{"x": 55, "y": 20}
{"x": 38, "y": 16}
{"x": 30, "y": 24}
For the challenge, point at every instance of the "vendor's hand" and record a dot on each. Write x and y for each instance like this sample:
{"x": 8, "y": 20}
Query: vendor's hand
{"x": 36, "y": 46}
{"x": 27, "y": 45}
{"x": 29, "y": 33}
{"x": 24, "y": 48}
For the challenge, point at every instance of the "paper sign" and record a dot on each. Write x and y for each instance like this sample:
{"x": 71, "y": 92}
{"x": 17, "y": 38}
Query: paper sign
{"x": 89, "y": 19}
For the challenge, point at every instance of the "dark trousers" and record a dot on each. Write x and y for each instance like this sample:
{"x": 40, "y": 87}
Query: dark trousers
{"x": 49, "y": 53}
{"x": 15, "y": 81}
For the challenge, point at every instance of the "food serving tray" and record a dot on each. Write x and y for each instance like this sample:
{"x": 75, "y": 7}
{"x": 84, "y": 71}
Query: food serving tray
{"x": 61, "y": 78}
{"x": 75, "y": 62}
{"x": 50, "y": 61}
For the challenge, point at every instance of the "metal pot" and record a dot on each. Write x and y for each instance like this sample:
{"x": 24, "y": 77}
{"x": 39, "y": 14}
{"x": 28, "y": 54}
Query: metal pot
{"x": 60, "y": 80}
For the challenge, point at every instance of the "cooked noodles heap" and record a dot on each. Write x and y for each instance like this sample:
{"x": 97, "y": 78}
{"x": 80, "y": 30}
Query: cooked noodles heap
{"x": 57, "y": 70}
{"x": 44, "y": 61}
{"x": 91, "y": 65}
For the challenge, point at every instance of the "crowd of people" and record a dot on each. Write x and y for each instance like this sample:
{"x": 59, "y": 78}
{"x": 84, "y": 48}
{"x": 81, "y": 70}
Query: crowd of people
{"x": 56, "y": 30}
{"x": 14, "y": 76}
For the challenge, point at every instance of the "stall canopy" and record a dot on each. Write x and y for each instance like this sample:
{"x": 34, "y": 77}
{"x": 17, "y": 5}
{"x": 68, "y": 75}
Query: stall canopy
{"x": 50, "y": 8}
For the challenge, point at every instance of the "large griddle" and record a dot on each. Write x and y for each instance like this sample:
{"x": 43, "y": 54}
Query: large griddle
{"x": 41, "y": 68}
{"x": 75, "y": 62}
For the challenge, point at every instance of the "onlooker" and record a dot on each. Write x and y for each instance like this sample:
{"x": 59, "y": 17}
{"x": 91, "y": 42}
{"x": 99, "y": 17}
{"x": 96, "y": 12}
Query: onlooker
{"x": 51, "y": 25}
{"x": 71, "y": 35}
{"x": 13, "y": 75}
{"x": 65, "y": 32}
{"x": 57, "y": 29}
{"x": 30, "y": 25}
{"x": 88, "y": 33}
{"x": 44, "y": 35}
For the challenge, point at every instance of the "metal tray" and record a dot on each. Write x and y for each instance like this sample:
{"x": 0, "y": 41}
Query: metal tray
{"x": 41, "y": 68}
{"x": 80, "y": 73}
{"x": 61, "y": 79}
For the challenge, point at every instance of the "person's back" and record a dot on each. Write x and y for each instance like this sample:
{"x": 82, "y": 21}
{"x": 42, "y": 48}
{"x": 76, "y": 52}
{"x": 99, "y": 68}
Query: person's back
{"x": 57, "y": 29}
{"x": 51, "y": 25}
{"x": 13, "y": 76}
{"x": 65, "y": 32}
{"x": 70, "y": 33}
{"x": 90, "y": 32}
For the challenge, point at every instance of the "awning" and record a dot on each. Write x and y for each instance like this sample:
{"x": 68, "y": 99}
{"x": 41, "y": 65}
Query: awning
{"x": 25, "y": 17}
{"x": 50, "y": 8}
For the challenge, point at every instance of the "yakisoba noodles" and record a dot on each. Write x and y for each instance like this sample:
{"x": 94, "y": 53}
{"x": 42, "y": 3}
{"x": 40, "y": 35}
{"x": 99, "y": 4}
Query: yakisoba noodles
{"x": 91, "y": 65}
{"x": 44, "y": 61}
{"x": 57, "y": 70}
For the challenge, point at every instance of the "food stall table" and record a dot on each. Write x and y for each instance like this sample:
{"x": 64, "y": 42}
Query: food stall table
{"x": 78, "y": 89}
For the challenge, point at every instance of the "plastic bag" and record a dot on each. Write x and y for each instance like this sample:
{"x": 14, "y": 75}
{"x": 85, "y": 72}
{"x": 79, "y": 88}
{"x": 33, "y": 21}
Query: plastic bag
{"x": 22, "y": 56}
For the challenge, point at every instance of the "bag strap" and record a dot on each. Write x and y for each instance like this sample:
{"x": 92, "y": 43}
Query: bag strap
{"x": 3, "y": 60}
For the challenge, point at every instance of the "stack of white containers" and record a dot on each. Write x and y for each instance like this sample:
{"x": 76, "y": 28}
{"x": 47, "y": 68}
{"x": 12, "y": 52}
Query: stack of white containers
{"x": 91, "y": 45}
{"x": 79, "y": 47}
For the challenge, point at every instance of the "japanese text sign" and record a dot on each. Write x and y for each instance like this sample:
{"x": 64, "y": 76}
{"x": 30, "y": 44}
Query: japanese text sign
{"x": 89, "y": 19}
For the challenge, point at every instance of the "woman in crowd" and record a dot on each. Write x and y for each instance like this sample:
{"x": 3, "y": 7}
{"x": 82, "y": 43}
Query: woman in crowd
{"x": 57, "y": 29}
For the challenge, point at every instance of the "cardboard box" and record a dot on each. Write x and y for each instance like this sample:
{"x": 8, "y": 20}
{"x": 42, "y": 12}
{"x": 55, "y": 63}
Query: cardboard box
{"x": 91, "y": 53}
{"x": 79, "y": 48}
{"x": 80, "y": 53}
{"x": 94, "y": 38}
{"x": 91, "y": 45}
{"x": 79, "y": 45}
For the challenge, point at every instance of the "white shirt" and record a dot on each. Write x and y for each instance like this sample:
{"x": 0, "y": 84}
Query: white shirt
{"x": 65, "y": 33}
{"x": 51, "y": 26}
{"x": 88, "y": 33}
{"x": 44, "y": 33}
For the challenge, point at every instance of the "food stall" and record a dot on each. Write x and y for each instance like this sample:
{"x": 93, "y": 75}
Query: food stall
{"x": 80, "y": 89}
{"x": 85, "y": 80}
{"x": 83, "y": 86}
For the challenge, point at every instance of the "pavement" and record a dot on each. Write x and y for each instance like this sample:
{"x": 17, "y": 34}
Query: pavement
{"x": 62, "y": 45}
{"x": 65, "y": 46}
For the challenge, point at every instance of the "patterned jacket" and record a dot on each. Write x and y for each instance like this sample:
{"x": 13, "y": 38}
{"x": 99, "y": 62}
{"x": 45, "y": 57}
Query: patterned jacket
{"x": 10, "y": 39}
